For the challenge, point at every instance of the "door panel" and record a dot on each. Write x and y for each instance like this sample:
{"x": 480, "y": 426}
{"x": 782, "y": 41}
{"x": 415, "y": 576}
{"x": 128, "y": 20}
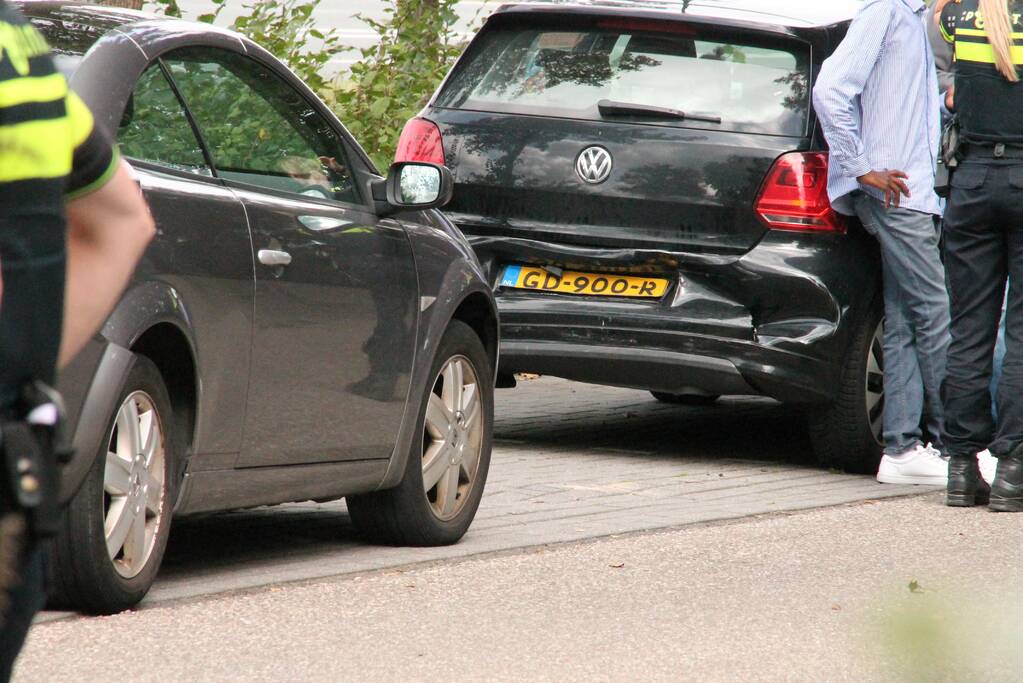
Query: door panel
{"x": 336, "y": 288}
{"x": 333, "y": 336}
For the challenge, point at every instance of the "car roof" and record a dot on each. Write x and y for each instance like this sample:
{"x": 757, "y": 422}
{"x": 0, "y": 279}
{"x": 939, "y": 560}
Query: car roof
{"x": 97, "y": 17}
{"x": 795, "y": 14}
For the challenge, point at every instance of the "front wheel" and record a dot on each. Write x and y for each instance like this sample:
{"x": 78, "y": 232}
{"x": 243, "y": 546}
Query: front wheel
{"x": 847, "y": 433}
{"x": 111, "y": 545}
{"x": 446, "y": 471}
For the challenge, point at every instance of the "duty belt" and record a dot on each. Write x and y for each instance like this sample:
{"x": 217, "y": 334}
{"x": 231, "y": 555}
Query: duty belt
{"x": 993, "y": 150}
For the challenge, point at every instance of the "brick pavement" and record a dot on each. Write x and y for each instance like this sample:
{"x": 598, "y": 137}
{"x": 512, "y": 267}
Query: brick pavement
{"x": 571, "y": 462}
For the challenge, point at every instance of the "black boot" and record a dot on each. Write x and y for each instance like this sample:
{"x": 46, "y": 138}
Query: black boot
{"x": 966, "y": 487}
{"x": 1007, "y": 488}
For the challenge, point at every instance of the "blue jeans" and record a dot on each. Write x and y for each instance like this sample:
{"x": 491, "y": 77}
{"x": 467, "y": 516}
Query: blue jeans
{"x": 916, "y": 324}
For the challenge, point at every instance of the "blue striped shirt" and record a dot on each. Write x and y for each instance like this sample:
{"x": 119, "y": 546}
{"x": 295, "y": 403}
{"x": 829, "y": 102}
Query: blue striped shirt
{"x": 877, "y": 101}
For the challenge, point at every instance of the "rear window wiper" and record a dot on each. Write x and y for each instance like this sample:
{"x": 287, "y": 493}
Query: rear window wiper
{"x": 611, "y": 108}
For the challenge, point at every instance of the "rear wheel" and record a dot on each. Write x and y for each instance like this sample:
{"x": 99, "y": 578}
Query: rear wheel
{"x": 110, "y": 549}
{"x": 847, "y": 434}
{"x": 685, "y": 399}
{"x": 446, "y": 471}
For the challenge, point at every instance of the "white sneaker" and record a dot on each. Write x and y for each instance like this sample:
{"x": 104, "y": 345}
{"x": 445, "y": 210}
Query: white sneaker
{"x": 988, "y": 464}
{"x": 919, "y": 465}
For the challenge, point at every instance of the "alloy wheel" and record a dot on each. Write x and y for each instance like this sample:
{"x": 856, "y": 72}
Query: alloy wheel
{"x": 133, "y": 484}
{"x": 875, "y": 383}
{"x": 452, "y": 437}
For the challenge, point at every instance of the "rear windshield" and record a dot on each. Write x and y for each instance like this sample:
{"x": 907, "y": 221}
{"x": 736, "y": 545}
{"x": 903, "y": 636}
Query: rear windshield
{"x": 750, "y": 83}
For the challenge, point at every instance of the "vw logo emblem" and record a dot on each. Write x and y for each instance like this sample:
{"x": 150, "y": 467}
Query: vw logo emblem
{"x": 593, "y": 165}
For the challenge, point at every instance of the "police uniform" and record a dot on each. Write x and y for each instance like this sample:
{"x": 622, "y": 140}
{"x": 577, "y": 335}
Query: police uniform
{"x": 983, "y": 232}
{"x": 50, "y": 151}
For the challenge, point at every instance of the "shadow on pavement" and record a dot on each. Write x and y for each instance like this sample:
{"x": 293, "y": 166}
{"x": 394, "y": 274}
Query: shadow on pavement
{"x": 585, "y": 417}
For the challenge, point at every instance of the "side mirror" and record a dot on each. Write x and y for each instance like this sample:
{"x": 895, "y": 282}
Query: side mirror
{"x": 413, "y": 186}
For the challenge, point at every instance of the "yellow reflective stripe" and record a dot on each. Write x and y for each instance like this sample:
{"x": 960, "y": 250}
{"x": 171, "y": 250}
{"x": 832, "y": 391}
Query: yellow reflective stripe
{"x": 984, "y": 53}
{"x": 34, "y": 149}
{"x": 19, "y": 44}
{"x": 32, "y": 89}
{"x": 944, "y": 33}
{"x": 979, "y": 33}
{"x": 80, "y": 118}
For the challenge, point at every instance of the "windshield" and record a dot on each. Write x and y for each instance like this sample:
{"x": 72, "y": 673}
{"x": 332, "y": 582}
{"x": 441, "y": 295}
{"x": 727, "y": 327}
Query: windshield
{"x": 751, "y": 83}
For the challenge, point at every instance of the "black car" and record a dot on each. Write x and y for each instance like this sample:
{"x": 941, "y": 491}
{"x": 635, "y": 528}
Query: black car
{"x": 301, "y": 328}
{"x": 645, "y": 184}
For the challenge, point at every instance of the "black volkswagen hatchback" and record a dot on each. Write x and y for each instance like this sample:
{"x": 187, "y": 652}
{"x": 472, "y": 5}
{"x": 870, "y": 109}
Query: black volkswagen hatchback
{"x": 301, "y": 328}
{"x": 645, "y": 185}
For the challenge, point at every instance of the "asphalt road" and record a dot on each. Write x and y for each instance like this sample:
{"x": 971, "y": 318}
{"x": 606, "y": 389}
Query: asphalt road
{"x": 899, "y": 590}
{"x": 341, "y": 15}
{"x": 619, "y": 539}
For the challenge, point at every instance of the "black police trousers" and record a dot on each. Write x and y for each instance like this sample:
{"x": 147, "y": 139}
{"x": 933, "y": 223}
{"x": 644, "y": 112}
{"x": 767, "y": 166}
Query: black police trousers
{"x": 983, "y": 233}
{"x": 24, "y": 600}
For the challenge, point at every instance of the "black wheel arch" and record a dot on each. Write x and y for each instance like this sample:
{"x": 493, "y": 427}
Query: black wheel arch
{"x": 150, "y": 320}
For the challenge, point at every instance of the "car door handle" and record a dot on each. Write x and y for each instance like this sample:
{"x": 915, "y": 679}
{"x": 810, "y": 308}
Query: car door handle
{"x": 273, "y": 257}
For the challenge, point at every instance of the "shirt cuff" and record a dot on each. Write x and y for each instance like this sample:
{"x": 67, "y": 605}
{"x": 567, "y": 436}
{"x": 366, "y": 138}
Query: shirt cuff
{"x": 856, "y": 166}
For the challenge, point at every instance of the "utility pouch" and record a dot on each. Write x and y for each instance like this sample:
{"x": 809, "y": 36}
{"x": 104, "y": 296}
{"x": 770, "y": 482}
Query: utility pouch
{"x": 951, "y": 155}
{"x": 31, "y": 458}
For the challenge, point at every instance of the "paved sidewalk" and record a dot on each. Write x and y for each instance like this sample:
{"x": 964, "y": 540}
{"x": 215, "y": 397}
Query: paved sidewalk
{"x": 897, "y": 590}
{"x": 572, "y": 462}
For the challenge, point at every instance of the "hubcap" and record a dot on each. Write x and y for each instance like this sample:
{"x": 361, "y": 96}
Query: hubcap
{"x": 875, "y": 383}
{"x": 133, "y": 484}
{"x": 452, "y": 438}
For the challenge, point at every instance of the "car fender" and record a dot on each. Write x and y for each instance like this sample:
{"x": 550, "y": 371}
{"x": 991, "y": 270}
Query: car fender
{"x": 442, "y": 290}
{"x": 93, "y": 382}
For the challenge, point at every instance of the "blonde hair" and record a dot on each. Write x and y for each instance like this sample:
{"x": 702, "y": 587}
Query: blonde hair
{"x": 998, "y": 27}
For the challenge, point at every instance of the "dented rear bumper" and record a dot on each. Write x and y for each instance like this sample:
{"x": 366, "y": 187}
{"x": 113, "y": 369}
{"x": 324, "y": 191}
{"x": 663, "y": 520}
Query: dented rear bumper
{"x": 776, "y": 321}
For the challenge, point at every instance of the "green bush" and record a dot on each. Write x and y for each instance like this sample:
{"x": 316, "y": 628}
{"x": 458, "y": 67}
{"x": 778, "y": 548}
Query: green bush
{"x": 390, "y": 83}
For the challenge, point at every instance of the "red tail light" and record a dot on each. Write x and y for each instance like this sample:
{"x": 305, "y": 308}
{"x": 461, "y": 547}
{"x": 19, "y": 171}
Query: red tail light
{"x": 795, "y": 195}
{"x": 420, "y": 141}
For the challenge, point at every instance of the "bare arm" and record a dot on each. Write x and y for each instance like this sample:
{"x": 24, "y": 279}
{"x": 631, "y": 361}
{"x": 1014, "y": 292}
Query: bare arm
{"x": 107, "y": 232}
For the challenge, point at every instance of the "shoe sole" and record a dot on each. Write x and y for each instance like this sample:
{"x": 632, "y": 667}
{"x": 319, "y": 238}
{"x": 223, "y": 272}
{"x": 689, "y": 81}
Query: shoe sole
{"x": 999, "y": 504}
{"x": 913, "y": 480}
{"x": 963, "y": 500}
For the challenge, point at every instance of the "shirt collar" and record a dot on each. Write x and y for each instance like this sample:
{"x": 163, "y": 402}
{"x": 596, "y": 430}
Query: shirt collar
{"x": 915, "y": 6}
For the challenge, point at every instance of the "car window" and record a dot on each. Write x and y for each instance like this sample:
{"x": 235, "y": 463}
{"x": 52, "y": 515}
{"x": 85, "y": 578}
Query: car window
{"x": 258, "y": 129}
{"x": 753, "y": 83}
{"x": 155, "y": 128}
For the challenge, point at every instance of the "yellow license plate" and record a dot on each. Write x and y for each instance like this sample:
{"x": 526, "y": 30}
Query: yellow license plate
{"x": 591, "y": 284}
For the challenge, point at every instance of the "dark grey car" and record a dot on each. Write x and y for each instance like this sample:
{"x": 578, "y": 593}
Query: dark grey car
{"x": 645, "y": 183}
{"x": 300, "y": 329}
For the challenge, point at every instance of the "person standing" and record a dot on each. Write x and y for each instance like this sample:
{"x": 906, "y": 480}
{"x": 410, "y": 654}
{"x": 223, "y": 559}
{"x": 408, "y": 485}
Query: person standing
{"x": 73, "y": 225}
{"x": 878, "y": 102}
{"x": 984, "y": 250}
{"x": 944, "y": 61}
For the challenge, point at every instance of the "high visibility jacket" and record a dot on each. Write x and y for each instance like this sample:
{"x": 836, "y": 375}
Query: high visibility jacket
{"x": 990, "y": 106}
{"x": 50, "y": 150}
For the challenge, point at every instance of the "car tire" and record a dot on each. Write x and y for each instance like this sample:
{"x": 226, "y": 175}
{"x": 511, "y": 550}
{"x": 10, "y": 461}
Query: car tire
{"x": 846, "y": 434}
{"x": 685, "y": 399}
{"x": 448, "y": 442}
{"x": 86, "y": 575}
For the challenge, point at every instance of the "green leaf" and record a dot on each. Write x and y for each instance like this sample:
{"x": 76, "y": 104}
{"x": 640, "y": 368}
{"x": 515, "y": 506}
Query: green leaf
{"x": 380, "y": 106}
